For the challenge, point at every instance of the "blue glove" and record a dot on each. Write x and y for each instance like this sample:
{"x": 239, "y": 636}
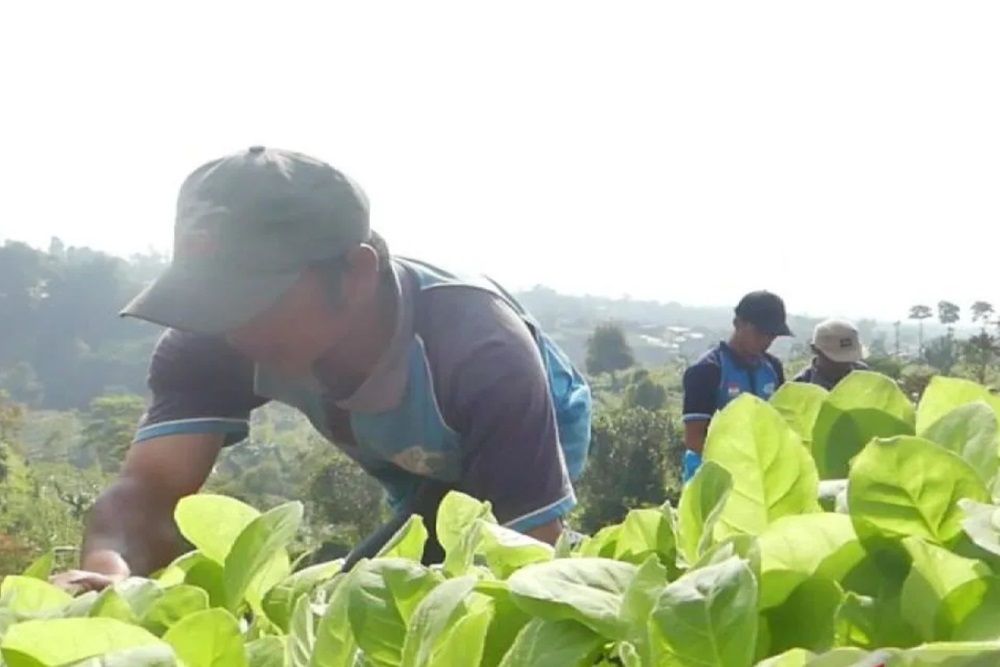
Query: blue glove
{"x": 692, "y": 461}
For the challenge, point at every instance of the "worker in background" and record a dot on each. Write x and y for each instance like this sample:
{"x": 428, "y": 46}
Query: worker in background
{"x": 731, "y": 368}
{"x": 837, "y": 350}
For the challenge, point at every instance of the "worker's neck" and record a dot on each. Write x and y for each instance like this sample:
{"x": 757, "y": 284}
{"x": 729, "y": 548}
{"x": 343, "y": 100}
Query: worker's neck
{"x": 737, "y": 346}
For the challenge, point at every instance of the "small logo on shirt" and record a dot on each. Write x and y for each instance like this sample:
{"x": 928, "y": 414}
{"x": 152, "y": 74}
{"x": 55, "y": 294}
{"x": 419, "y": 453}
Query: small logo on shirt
{"x": 733, "y": 390}
{"x": 768, "y": 388}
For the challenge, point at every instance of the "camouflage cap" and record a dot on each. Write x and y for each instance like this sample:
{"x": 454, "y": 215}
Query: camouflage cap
{"x": 247, "y": 225}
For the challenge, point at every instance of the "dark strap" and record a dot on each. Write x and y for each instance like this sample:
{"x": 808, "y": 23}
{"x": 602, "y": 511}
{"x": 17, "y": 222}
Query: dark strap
{"x": 424, "y": 502}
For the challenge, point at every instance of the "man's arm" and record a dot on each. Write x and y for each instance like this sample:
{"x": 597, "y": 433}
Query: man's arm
{"x": 701, "y": 384}
{"x": 202, "y": 396}
{"x": 494, "y": 392}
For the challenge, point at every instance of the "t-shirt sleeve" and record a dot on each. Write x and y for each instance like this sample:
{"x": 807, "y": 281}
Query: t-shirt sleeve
{"x": 199, "y": 384}
{"x": 779, "y": 369}
{"x": 701, "y": 386}
{"x": 494, "y": 392}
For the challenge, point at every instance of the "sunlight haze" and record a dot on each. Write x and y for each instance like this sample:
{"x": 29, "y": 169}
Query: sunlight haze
{"x": 844, "y": 155}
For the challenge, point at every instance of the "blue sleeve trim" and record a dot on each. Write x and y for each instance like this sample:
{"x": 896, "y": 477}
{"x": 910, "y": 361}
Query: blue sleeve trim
{"x": 234, "y": 429}
{"x": 543, "y": 515}
{"x": 696, "y": 417}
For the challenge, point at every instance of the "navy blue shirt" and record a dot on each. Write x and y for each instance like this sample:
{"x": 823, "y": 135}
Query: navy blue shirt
{"x": 811, "y": 374}
{"x": 720, "y": 375}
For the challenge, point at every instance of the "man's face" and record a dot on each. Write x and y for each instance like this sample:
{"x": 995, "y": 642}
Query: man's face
{"x": 755, "y": 341}
{"x": 308, "y": 320}
{"x": 833, "y": 370}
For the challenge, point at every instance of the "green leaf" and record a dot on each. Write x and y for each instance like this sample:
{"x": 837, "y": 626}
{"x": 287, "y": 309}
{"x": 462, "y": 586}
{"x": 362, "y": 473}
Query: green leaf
{"x": 587, "y": 590}
{"x": 864, "y": 405}
{"x": 796, "y": 657}
{"x": 648, "y": 532}
{"x": 455, "y": 526}
{"x": 507, "y": 621}
{"x": 209, "y": 638}
{"x": 301, "y": 636}
{"x": 335, "y": 643}
{"x": 448, "y": 627}
{"x": 258, "y": 546}
{"x": 701, "y": 503}
{"x": 267, "y": 651}
{"x": 943, "y": 394}
{"x": 972, "y": 432}
{"x": 213, "y": 522}
{"x": 907, "y": 485}
{"x": 507, "y": 551}
{"x": 799, "y": 403}
{"x": 63, "y": 641}
{"x": 807, "y": 618}
{"x": 384, "y": 593}
{"x": 176, "y": 603}
{"x": 143, "y": 656}
{"x": 926, "y": 599}
{"x": 41, "y": 567}
{"x": 279, "y": 602}
{"x": 708, "y": 617}
{"x": 548, "y": 643}
{"x": 795, "y": 548}
{"x": 981, "y": 523}
{"x": 25, "y": 595}
{"x": 407, "y": 542}
{"x": 773, "y": 474}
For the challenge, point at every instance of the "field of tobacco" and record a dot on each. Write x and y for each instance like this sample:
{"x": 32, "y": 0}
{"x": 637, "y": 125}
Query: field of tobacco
{"x": 825, "y": 529}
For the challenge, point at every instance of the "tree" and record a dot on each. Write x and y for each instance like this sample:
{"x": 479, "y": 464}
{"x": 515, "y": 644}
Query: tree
{"x": 948, "y": 314}
{"x": 109, "y": 429}
{"x": 920, "y": 313}
{"x": 607, "y": 350}
{"x": 634, "y": 462}
{"x": 644, "y": 392}
{"x": 981, "y": 349}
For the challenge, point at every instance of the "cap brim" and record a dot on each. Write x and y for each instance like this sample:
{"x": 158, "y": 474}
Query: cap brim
{"x": 850, "y": 357}
{"x": 207, "y": 301}
{"x": 778, "y": 330}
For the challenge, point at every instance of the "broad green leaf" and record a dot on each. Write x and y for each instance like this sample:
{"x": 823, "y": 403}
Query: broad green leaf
{"x": 384, "y": 593}
{"x": 981, "y": 522}
{"x": 549, "y": 643}
{"x": 507, "y": 551}
{"x": 587, "y": 590}
{"x": 178, "y": 569}
{"x": 143, "y": 656}
{"x": 63, "y": 641}
{"x": 267, "y": 651}
{"x": 280, "y": 600}
{"x": 176, "y": 603}
{"x": 971, "y": 431}
{"x": 111, "y": 604}
{"x": 602, "y": 544}
{"x": 335, "y": 643}
{"x": 943, "y": 394}
{"x": 795, "y": 548}
{"x": 773, "y": 474}
{"x": 259, "y": 544}
{"x": 796, "y": 657}
{"x": 638, "y": 603}
{"x": 455, "y": 526}
{"x": 213, "y": 522}
{"x": 27, "y": 595}
{"x": 742, "y": 546}
{"x": 807, "y": 618}
{"x": 408, "y": 541}
{"x": 208, "y": 576}
{"x": 907, "y": 485}
{"x": 208, "y": 638}
{"x": 301, "y": 635}
{"x": 701, "y": 503}
{"x": 864, "y": 405}
{"x": 648, "y": 532}
{"x": 507, "y": 621}
{"x": 799, "y": 403}
{"x": 41, "y": 567}
{"x": 927, "y": 601}
{"x": 708, "y": 617}
{"x": 448, "y": 627}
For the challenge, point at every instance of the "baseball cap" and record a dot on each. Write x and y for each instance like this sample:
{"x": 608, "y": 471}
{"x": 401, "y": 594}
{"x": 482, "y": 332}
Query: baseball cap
{"x": 247, "y": 224}
{"x": 765, "y": 310}
{"x": 838, "y": 340}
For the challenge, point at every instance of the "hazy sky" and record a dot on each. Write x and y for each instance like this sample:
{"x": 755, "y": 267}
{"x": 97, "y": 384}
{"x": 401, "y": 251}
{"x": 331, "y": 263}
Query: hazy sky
{"x": 844, "y": 154}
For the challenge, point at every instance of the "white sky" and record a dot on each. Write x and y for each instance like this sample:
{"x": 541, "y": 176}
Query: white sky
{"x": 844, "y": 154}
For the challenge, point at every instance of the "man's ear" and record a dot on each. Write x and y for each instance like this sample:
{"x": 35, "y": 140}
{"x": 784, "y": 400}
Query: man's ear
{"x": 361, "y": 282}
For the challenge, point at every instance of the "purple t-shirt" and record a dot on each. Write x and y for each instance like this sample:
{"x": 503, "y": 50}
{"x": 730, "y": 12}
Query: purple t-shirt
{"x": 488, "y": 376}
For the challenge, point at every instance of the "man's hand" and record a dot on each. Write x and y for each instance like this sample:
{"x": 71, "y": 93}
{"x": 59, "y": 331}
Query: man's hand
{"x": 75, "y": 582}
